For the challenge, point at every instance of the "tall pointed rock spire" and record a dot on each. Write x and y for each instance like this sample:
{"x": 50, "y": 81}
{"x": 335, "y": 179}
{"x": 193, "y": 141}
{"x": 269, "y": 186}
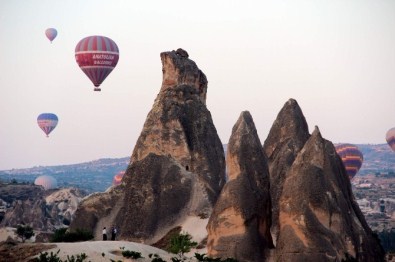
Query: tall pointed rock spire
{"x": 239, "y": 226}
{"x": 319, "y": 219}
{"x": 286, "y": 138}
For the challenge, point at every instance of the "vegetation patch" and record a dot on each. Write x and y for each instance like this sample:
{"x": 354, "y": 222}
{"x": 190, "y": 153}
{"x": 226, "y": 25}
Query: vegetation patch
{"x": 165, "y": 241}
{"x": 180, "y": 244}
{"x": 61, "y": 235}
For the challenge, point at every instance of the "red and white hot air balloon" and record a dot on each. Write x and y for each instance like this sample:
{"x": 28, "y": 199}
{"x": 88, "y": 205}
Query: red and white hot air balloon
{"x": 97, "y": 56}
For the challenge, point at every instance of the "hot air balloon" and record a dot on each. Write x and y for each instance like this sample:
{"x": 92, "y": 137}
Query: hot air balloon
{"x": 47, "y": 122}
{"x": 118, "y": 178}
{"x": 97, "y": 56}
{"x": 390, "y": 137}
{"x": 48, "y": 182}
{"x": 51, "y": 33}
{"x": 351, "y": 157}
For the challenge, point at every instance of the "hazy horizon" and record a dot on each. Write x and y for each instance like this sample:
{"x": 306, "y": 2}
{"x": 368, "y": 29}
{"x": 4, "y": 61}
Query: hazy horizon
{"x": 337, "y": 59}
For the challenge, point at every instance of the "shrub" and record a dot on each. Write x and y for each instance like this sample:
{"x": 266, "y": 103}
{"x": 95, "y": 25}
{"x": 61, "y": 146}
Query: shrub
{"x": 45, "y": 257}
{"x": 24, "y": 232}
{"x": 53, "y": 257}
{"x": 176, "y": 259}
{"x": 181, "y": 243}
{"x": 61, "y": 235}
{"x": 131, "y": 254}
{"x": 156, "y": 258}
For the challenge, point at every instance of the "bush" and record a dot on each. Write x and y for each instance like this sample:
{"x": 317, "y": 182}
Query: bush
{"x": 181, "y": 243}
{"x": 156, "y": 258}
{"x": 53, "y": 257}
{"x": 61, "y": 235}
{"x": 24, "y": 232}
{"x": 131, "y": 254}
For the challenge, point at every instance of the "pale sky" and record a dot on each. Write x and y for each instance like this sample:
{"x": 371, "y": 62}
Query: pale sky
{"x": 336, "y": 58}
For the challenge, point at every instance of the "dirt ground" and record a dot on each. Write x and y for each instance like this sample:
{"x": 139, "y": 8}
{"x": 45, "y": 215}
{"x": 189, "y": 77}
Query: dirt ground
{"x": 11, "y": 251}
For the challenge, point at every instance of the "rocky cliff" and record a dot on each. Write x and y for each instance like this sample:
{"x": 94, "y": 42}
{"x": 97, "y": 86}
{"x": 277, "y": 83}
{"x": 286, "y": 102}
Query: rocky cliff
{"x": 42, "y": 210}
{"x": 239, "y": 226}
{"x": 177, "y": 166}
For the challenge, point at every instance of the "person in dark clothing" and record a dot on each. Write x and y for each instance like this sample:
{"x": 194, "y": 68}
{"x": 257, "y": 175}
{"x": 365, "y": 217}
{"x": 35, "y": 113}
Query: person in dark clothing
{"x": 113, "y": 233}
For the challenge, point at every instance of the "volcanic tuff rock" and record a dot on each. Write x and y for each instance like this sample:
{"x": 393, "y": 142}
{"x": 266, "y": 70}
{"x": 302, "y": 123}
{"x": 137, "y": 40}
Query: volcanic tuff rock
{"x": 286, "y": 138}
{"x": 179, "y": 141}
{"x": 42, "y": 210}
{"x": 319, "y": 219}
{"x": 179, "y": 70}
{"x": 239, "y": 226}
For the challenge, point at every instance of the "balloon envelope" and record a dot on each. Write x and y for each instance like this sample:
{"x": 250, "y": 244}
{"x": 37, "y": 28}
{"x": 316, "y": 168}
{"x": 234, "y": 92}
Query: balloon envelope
{"x": 118, "y": 178}
{"x": 51, "y": 33}
{"x": 390, "y": 137}
{"x": 352, "y": 158}
{"x": 47, "y": 122}
{"x": 48, "y": 182}
{"x": 97, "y": 56}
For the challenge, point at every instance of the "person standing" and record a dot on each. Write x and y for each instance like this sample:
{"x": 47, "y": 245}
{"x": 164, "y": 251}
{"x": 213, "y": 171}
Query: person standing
{"x": 113, "y": 233}
{"x": 104, "y": 234}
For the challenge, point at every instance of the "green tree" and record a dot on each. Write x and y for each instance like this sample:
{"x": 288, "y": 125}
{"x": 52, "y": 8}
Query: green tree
{"x": 181, "y": 243}
{"x": 24, "y": 232}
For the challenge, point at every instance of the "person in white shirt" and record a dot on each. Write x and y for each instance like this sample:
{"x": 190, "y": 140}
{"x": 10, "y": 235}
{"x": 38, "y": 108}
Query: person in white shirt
{"x": 104, "y": 234}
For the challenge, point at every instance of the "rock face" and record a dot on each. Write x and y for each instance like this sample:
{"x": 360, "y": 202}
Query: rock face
{"x": 319, "y": 219}
{"x": 293, "y": 193}
{"x": 179, "y": 70}
{"x": 286, "y": 138}
{"x": 160, "y": 193}
{"x": 239, "y": 226}
{"x": 98, "y": 210}
{"x": 180, "y": 126}
{"x": 40, "y": 209}
{"x": 314, "y": 215}
{"x": 177, "y": 164}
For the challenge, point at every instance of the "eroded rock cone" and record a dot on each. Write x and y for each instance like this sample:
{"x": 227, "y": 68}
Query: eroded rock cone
{"x": 286, "y": 138}
{"x": 239, "y": 226}
{"x": 319, "y": 219}
{"x": 180, "y": 142}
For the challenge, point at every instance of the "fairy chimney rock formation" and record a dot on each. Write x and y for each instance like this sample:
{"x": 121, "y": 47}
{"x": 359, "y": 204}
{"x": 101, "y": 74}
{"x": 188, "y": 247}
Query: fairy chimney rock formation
{"x": 177, "y": 167}
{"x": 178, "y": 70}
{"x": 318, "y": 217}
{"x": 239, "y": 226}
{"x": 286, "y": 138}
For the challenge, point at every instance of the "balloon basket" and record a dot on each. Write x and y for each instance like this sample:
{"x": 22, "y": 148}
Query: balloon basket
{"x": 97, "y": 89}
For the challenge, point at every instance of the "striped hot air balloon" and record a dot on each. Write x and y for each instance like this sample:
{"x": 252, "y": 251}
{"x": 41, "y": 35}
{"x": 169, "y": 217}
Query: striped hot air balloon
{"x": 97, "y": 56}
{"x": 390, "y": 137}
{"x": 51, "y": 33}
{"x": 47, "y": 122}
{"x": 118, "y": 178}
{"x": 352, "y": 158}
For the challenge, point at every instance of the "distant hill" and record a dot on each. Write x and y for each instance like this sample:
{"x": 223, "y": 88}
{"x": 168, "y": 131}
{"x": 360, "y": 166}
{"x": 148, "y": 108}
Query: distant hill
{"x": 97, "y": 175}
{"x": 93, "y": 176}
